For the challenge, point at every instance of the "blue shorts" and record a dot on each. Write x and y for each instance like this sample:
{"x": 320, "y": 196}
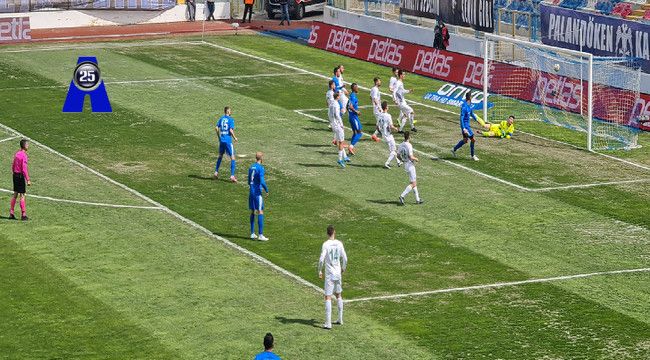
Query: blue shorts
{"x": 255, "y": 202}
{"x": 355, "y": 123}
{"x": 469, "y": 134}
{"x": 226, "y": 148}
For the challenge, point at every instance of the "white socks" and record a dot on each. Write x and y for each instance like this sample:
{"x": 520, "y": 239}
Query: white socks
{"x": 411, "y": 117}
{"x": 341, "y": 154}
{"x": 339, "y": 302}
{"x": 390, "y": 157}
{"x": 328, "y": 313}
{"x": 417, "y": 194}
{"x": 407, "y": 190}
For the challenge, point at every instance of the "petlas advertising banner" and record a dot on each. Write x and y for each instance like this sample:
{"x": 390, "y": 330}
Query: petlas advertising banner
{"x": 541, "y": 88}
{"x": 596, "y": 34}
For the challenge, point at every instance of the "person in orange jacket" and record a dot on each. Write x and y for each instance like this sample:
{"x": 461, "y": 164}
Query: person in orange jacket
{"x": 248, "y": 7}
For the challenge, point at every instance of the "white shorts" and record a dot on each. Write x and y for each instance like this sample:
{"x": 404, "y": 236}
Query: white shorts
{"x": 405, "y": 108}
{"x": 410, "y": 169}
{"x": 333, "y": 286}
{"x": 339, "y": 135}
{"x": 390, "y": 140}
{"x": 344, "y": 102}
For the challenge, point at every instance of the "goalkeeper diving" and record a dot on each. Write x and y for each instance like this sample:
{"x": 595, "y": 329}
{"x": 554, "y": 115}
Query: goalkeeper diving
{"x": 503, "y": 130}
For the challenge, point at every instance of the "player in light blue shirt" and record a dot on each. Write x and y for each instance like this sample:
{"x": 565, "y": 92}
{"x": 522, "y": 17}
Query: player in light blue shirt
{"x": 225, "y": 128}
{"x": 353, "y": 115}
{"x": 255, "y": 200}
{"x": 466, "y": 130}
{"x": 267, "y": 354}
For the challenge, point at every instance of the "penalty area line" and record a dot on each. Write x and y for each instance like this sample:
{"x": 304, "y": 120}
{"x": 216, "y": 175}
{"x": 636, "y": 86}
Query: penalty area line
{"x": 79, "y": 202}
{"x": 383, "y": 93}
{"x": 498, "y": 285}
{"x": 449, "y": 162}
{"x": 9, "y": 138}
{"x": 584, "y": 186}
{"x": 200, "y": 228}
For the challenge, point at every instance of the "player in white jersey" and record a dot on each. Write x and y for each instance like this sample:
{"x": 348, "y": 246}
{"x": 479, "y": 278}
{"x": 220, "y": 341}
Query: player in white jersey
{"x": 344, "y": 91}
{"x": 385, "y": 125}
{"x": 405, "y": 153}
{"x": 391, "y": 88}
{"x": 406, "y": 112}
{"x": 329, "y": 96}
{"x": 334, "y": 114}
{"x": 375, "y": 98}
{"x": 334, "y": 260}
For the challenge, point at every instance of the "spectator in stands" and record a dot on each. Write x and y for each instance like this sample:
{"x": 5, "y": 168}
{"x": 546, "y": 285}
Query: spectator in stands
{"x": 441, "y": 38}
{"x": 285, "y": 12}
{"x": 267, "y": 354}
{"x": 210, "y": 10}
{"x": 248, "y": 6}
{"x": 191, "y": 9}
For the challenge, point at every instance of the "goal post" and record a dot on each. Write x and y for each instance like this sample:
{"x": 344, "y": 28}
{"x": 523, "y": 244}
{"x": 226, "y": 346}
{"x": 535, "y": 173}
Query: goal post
{"x": 563, "y": 87}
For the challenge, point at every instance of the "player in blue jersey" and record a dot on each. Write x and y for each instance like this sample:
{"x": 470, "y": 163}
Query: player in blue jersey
{"x": 339, "y": 86}
{"x": 267, "y": 354}
{"x": 465, "y": 114}
{"x": 255, "y": 199}
{"x": 353, "y": 115}
{"x": 226, "y": 131}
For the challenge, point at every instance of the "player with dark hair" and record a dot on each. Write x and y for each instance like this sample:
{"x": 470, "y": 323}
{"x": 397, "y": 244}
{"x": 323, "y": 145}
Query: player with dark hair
{"x": 353, "y": 117}
{"x": 468, "y": 135}
{"x": 335, "y": 261}
{"x": 503, "y": 130}
{"x": 268, "y": 354}
{"x": 405, "y": 154}
{"x": 225, "y": 129}
{"x": 20, "y": 178}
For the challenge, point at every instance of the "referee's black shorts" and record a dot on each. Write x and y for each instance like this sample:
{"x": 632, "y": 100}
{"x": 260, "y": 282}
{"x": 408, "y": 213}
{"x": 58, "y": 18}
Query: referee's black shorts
{"x": 20, "y": 185}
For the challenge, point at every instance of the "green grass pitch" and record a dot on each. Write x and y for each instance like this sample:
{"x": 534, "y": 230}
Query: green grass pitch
{"x": 86, "y": 280}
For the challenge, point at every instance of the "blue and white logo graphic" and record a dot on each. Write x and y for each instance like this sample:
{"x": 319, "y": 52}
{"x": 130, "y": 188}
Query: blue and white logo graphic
{"x": 454, "y": 95}
{"x": 87, "y": 81}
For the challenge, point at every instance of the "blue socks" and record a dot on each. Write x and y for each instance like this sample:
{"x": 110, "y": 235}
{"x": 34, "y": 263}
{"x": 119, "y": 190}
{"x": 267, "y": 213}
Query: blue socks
{"x": 232, "y": 167}
{"x": 253, "y": 223}
{"x": 471, "y": 148}
{"x": 459, "y": 145}
{"x": 260, "y": 223}
{"x": 216, "y": 168}
{"x": 355, "y": 138}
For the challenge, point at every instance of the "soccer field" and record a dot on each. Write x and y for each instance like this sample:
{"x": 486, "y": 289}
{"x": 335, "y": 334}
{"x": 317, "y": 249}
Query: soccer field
{"x": 539, "y": 250}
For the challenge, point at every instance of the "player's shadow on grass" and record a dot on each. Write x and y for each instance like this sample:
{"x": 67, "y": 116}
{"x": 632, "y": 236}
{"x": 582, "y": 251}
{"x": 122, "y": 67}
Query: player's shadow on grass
{"x": 211, "y": 178}
{"x": 310, "y": 322}
{"x": 316, "y": 129}
{"x": 317, "y": 165}
{"x": 372, "y": 166}
{"x": 384, "y": 202}
{"x": 314, "y": 145}
{"x": 233, "y": 236}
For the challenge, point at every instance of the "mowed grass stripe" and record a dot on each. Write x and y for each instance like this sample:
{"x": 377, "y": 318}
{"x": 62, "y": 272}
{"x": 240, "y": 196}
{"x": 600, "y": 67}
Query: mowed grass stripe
{"x": 46, "y": 316}
{"x": 107, "y": 272}
{"x": 274, "y": 167}
{"x": 526, "y": 266}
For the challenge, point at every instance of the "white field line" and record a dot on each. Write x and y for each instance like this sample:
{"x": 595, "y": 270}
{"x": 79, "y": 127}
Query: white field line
{"x": 582, "y": 186}
{"x": 498, "y": 285}
{"x": 9, "y": 138}
{"x": 96, "y": 46}
{"x": 517, "y": 186}
{"x": 202, "y": 229}
{"x": 410, "y": 101}
{"x": 146, "y": 81}
{"x": 110, "y": 36}
{"x": 78, "y": 202}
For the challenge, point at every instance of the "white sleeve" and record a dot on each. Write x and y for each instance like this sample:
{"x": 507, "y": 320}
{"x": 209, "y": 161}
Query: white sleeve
{"x": 344, "y": 258}
{"x": 321, "y": 261}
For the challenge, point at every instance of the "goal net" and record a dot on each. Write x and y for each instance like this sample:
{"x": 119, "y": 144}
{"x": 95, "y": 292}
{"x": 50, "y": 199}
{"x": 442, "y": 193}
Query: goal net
{"x": 562, "y": 87}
